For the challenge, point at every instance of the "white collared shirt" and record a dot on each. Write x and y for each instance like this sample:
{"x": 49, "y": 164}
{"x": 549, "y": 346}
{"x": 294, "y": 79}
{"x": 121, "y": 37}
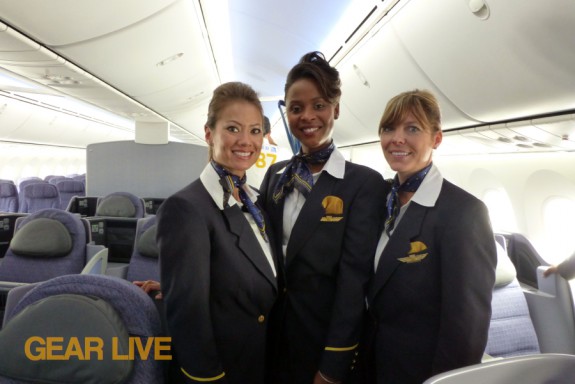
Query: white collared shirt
{"x": 426, "y": 195}
{"x": 295, "y": 200}
{"x": 211, "y": 181}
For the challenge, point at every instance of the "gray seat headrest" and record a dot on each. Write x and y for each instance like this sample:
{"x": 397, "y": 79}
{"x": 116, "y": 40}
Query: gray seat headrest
{"x": 42, "y": 237}
{"x": 147, "y": 245}
{"x": 116, "y": 206}
{"x": 51, "y": 317}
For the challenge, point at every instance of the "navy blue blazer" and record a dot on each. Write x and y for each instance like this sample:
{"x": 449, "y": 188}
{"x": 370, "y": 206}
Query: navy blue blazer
{"x": 218, "y": 288}
{"x": 327, "y": 267}
{"x": 430, "y": 297}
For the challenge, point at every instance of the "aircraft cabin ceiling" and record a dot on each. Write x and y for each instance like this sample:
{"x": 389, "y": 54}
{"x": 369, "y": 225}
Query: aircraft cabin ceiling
{"x": 502, "y": 70}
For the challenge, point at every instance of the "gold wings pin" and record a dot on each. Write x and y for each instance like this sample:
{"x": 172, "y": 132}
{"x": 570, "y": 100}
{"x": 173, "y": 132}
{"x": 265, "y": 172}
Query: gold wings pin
{"x": 415, "y": 253}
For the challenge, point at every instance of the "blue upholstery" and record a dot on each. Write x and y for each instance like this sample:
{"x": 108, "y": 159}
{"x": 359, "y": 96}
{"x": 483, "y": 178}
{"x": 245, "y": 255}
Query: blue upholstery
{"x": 8, "y": 197}
{"x": 121, "y": 204}
{"x": 22, "y": 184}
{"x": 135, "y": 309}
{"x": 144, "y": 263}
{"x": 32, "y": 268}
{"x": 69, "y": 188}
{"x": 39, "y": 196}
{"x": 511, "y": 331}
{"x": 56, "y": 179}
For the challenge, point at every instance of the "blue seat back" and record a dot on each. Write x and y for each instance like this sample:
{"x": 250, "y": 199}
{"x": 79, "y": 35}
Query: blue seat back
{"x": 46, "y": 244}
{"x": 39, "y": 196}
{"x": 144, "y": 262}
{"x": 8, "y": 197}
{"x": 127, "y": 309}
{"x": 69, "y": 188}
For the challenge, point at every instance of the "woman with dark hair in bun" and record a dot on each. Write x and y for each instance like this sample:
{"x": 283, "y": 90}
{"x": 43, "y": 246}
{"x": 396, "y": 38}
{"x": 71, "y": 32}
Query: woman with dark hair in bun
{"x": 326, "y": 212}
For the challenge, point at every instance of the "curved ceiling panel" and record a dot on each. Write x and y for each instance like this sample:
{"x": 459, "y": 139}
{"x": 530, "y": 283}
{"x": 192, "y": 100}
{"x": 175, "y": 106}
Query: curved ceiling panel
{"x": 500, "y": 67}
{"x": 84, "y": 20}
{"x": 374, "y": 74}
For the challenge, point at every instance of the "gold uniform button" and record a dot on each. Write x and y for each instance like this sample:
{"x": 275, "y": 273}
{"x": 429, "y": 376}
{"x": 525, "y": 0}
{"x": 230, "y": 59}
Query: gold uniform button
{"x": 261, "y": 319}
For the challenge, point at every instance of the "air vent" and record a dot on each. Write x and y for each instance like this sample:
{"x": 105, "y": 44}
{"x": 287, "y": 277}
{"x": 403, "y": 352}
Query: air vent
{"x": 541, "y": 145}
{"x": 521, "y": 138}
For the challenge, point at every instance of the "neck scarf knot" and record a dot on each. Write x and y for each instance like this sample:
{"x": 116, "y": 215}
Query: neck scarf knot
{"x": 298, "y": 175}
{"x": 410, "y": 185}
{"x": 232, "y": 186}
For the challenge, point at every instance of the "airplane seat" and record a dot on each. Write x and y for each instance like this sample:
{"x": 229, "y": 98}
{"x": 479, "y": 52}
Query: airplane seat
{"x": 144, "y": 263}
{"x": 552, "y": 312}
{"x": 81, "y": 177}
{"x": 7, "y": 226}
{"x": 525, "y": 258}
{"x": 8, "y": 197}
{"x": 511, "y": 331}
{"x": 153, "y": 204}
{"x": 83, "y": 205}
{"x": 108, "y": 311}
{"x": 121, "y": 204}
{"x": 56, "y": 179}
{"x": 68, "y": 189}
{"x": 46, "y": 244}
{"x": 530, "y": 369}
{"x": 22, "y": 184}
{"x": 39, "y": 196}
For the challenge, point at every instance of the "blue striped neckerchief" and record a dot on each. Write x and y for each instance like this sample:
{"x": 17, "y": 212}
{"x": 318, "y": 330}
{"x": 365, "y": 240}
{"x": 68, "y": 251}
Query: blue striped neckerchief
{"x": 297, "y": 173}
{"x": 232, "y": 185}
{"x": 410, "y": 185}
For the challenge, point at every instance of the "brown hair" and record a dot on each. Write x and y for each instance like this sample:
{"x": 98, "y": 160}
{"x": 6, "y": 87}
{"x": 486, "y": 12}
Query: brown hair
{"x": 225, "y": 94}
{"x": 421, "y": 103}
{"x": 315, "y": 67}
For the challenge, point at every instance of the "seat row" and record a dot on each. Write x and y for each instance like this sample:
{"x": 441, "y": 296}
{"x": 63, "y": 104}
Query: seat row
{"x": 52, "y": 243}
{"x": 32, "y": 195}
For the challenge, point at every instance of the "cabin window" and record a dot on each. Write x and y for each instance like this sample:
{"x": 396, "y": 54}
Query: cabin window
{"x": 500, "y": 210}
{"x": 558, "y": 213}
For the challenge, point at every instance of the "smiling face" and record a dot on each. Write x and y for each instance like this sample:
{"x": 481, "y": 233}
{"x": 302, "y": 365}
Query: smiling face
{"x": 408, "y": 145}
{"x": 237, "y": 137}
{"x": 310, "y": 116}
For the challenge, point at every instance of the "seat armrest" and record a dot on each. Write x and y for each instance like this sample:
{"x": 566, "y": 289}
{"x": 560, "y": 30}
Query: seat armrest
{"x": 551, "y": 309}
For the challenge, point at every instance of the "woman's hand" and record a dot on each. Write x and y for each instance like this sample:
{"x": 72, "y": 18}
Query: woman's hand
{"x": 150, "y": 286}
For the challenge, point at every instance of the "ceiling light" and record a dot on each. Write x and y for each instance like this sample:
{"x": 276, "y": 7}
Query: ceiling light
{"x": 170, "y": 59}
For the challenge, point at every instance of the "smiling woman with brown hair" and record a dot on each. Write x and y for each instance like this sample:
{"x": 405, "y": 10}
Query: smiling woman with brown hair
{"x": 217, "y": 267}
{"x": 430, "y": 297}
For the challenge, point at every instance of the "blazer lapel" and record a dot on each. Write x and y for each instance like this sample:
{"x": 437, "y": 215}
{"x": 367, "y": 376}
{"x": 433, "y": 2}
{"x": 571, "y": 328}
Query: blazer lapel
{"x": 248, "y": 243}
{"x": 310, "y": 215}
{"x": 398, "y": 246}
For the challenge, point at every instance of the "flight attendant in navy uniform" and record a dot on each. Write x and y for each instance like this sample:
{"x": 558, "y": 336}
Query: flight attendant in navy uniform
{"x": 218, "y": 272}
{"x": 326, "y": 212}
{"x": 430, "y": 297}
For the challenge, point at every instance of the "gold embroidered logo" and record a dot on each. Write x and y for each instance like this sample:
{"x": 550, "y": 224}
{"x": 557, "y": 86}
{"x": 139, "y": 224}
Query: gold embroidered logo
{"x": 416, "y": 253}
{"x": 333, "y": 206}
